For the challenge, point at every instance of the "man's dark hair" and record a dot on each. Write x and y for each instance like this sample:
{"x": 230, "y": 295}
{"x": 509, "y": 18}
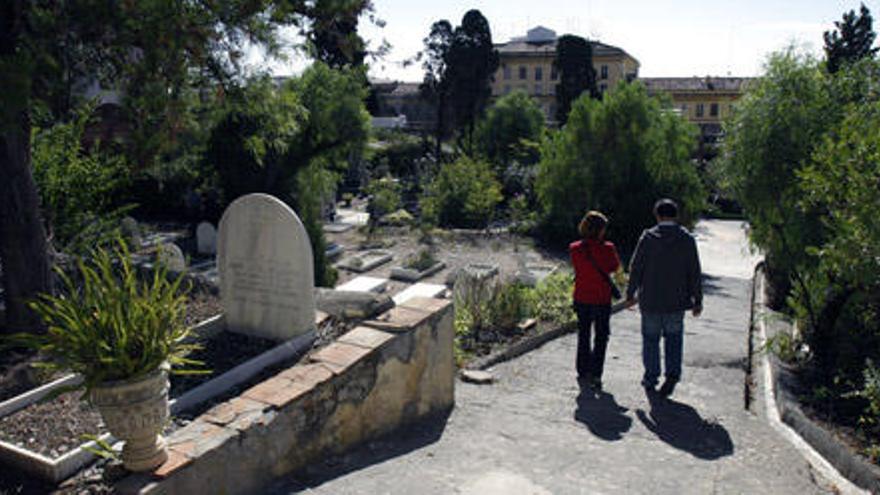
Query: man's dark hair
{"x": 666, "y": 208}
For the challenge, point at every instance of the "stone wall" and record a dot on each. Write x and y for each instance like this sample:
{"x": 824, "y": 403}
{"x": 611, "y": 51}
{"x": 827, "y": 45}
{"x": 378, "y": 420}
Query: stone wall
{"x": 385, "y": 373}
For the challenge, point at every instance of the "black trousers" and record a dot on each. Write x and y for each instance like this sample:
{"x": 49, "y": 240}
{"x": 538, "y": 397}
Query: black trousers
{"x": 591, "y": 355}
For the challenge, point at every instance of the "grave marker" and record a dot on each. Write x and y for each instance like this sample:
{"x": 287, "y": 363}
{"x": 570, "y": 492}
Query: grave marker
{"x": 264, "y": 260}
{"x": 206, "y": 238}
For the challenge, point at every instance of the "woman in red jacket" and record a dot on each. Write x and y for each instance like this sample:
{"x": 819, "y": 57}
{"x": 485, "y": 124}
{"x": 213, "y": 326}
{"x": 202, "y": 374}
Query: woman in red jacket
{"x": 593, "y": 259}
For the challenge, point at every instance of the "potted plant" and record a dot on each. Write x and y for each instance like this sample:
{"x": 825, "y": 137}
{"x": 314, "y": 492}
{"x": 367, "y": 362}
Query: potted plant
{"x": 123, "y": 335}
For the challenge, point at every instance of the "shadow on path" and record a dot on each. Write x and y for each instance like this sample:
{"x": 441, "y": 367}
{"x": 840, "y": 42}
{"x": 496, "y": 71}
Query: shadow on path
{"x": 395, "y": 444}
{"x": 712, "y": 286}
{"x": 682, "y": 427}
{"x": 602, "y": 415}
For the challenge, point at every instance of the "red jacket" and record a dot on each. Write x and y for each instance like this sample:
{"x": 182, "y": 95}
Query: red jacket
{"x": 589, "y": 286}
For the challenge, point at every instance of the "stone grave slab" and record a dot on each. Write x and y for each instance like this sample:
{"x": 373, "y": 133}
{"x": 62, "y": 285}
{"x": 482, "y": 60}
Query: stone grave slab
{"x": 420, "y": 289}
{"x": 364, "y": 284}
{"x": 264, "y": 260}
{"x": 531, "y": 273}
{"x": 171, "y": 256}
{"x": 337, "y": 228}
{"x": 365, "y": 261}
{"x": 206, "y": 238}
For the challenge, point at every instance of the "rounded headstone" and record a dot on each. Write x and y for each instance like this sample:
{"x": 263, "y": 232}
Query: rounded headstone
{"x": 264, "y": 260}
{"x": 171, "y": 257}
{"x": 206, "y": 238}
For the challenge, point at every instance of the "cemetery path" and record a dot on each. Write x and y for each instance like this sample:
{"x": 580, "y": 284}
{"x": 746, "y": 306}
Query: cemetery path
{"x": 534, "y": 432}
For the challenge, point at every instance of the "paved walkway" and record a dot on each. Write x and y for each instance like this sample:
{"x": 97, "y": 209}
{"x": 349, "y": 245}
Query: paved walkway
{"x": 534, "y": 432}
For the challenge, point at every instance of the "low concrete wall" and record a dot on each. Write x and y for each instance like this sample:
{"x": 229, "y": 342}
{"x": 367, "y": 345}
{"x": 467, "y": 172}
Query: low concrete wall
{"x": 388, "y": 372}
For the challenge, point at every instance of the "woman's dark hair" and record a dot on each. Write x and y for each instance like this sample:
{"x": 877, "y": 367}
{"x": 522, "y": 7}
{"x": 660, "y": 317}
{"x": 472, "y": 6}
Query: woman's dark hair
{"x": 666, "y": 208}
{"x": 592, "y": 224}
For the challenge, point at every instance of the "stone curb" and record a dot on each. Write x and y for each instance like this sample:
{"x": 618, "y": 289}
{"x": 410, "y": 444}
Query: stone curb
{"x": 848, "y": 464}
{"x": 527, "y": 345}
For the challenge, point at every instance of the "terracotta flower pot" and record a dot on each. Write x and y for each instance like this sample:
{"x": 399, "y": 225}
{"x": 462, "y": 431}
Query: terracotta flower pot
{"x": 135, "y": 412}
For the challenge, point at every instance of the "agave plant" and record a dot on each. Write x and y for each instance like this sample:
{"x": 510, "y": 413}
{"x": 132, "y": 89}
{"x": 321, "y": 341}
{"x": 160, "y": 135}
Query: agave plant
{"x": 112, "y": 325}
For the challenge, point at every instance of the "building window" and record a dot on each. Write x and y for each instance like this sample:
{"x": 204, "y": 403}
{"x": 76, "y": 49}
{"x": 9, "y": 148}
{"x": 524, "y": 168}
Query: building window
{"x": 631, "y": 77}
{"x": 699, "y": 112}
{"x": 553, "y": 74}
{"x": 603, "y": 88}
{"x": 713, "y": 110}
{"x": 539, "y": 89}
{"x": 539, "y": 73}
{"x": 507, "y": 89}
{"x": 551, "y": 89}
{"x": 684, "y": 109}
{"x": 523, "y": 72}
{"x": 506, "y": 70}
{"x": 603, "y": 72}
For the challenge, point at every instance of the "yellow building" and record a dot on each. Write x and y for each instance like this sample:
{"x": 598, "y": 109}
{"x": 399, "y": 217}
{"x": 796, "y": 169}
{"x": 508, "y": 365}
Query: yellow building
{"x": 526, "y": 64}
{"x": 705, "y": 101}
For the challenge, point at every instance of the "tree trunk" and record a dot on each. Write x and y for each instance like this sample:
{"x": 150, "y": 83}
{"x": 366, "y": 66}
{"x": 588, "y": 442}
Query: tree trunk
{"x": 23, "y": 247}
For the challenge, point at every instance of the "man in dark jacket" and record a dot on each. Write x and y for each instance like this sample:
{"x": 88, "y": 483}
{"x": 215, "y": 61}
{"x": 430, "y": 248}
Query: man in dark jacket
{"x": 665, "y": 273}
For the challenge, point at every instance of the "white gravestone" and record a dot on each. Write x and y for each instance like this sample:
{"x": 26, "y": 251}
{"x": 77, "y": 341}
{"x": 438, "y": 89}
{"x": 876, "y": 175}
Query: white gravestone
{"x": 171, "y": 257}
{"x": 206, "y": 238}
{"x": 265, "y": 263}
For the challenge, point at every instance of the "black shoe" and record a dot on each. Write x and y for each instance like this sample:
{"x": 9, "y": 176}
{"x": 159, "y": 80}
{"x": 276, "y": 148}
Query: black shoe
{"x": 668, "y": 387}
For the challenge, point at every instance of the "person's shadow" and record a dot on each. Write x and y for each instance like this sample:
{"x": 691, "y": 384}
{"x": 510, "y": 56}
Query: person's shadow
{"x": 682, "y": 427}
{"x": 602, "y": 415}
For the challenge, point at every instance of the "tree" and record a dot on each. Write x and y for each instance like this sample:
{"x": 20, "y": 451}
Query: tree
{"x": 333, "y": 37}
{"x": 776, "y": 127}
{"x": 574, "y": 64}
{"x": 511, "y": 130}
{"x": 292, "y": 142}
{"x": 149, "y": 50}
{"x": 471, "y": 63}
{"x": 851, "y": 40}
{"x": 435, "y": 86}
{"x": 618, "y": 155}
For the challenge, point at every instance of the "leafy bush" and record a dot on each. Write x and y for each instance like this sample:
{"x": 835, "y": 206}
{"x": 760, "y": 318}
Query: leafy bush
{"x": 551, "y": 299}
{"x": 511, "y": 131}
{"x": 423, "y": 260}
{"x": 79, "y": 189}
{"x": 464, "y": 194}
{"x": 618, "y": 155}
{"x": 110, "y": 325}
{"x": 384, "y": 199}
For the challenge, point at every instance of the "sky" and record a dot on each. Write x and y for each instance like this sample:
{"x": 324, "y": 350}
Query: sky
{"x": 668, "y": 37}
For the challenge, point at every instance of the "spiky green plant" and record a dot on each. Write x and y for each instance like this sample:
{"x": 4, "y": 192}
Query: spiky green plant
{"x": 112, "y": 325}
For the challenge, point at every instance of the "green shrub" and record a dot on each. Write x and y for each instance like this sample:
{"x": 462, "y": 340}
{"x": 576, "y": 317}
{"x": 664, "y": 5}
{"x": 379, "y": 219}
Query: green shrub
{"x": 384, "y": 199}
{"x": 423, "y": 260}
{"x": 551, "y": 299}
{"x": 464, "y": 194}
{"x": 511, "y": 131}
{"x": 79, "y": 189}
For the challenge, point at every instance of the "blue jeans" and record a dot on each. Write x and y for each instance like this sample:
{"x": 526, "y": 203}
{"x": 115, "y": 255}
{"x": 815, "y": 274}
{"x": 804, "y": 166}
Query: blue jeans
{"x": 669, "y": 326}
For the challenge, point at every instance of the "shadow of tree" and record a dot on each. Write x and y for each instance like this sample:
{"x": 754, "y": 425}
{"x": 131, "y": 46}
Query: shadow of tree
{"x": 602, "y": 415}
{"x": 682, "y": 427}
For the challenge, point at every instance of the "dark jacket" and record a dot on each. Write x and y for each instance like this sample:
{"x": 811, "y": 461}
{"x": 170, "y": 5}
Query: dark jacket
{"x": 665, "y": 270}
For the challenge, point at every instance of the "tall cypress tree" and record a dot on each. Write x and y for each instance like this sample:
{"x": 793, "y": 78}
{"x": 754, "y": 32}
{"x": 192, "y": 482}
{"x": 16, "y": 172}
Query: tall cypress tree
{"x": 471, "y": 64}
{"x": 574, "y": 63}
{"x": 435, "y": 85}
{"x": 851, "y": 41}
